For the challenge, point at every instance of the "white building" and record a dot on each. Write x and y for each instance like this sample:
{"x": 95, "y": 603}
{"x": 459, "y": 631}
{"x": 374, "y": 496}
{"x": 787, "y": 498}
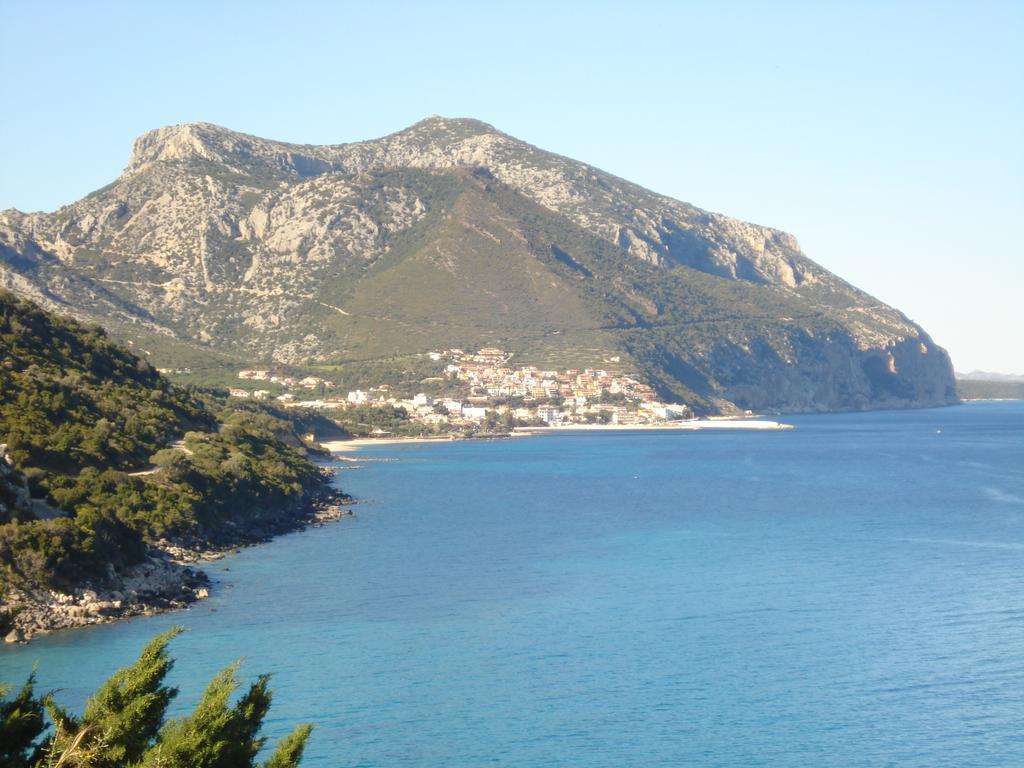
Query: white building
{"x": 422, "y": 399}
{"x": 550, "y": 415}
{"x": 666, "y": 411}
{"x": 358, "y": 397}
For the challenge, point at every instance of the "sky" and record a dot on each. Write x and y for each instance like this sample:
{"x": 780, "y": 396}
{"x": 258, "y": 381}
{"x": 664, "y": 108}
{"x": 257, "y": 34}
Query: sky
{"x": 888, "y": 137}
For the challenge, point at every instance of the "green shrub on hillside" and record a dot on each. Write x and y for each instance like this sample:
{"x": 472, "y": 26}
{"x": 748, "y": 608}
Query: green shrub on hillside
{"x": 129, "y": 458}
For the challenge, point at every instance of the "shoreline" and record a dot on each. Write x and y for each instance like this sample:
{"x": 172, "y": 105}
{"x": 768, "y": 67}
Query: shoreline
{"x": 355, "y": 443}
{"x": 169, "y": 579}
{"x": 759, "y": 425}
{"x": 691, "y": 425}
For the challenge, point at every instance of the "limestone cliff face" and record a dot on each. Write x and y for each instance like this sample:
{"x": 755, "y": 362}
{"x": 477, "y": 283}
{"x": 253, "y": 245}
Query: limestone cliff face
{"x": 451, "y": 232}
{"x": 648, "y": 226}
{"x": 836, "y": 375}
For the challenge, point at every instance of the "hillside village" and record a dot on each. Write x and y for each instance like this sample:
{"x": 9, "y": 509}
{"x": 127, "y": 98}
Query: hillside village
{"x": 483, "y": 390}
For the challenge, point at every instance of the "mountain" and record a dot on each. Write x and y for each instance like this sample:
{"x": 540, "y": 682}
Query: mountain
{"x": 991, "y": 376}
{"x": 231, "y": 248}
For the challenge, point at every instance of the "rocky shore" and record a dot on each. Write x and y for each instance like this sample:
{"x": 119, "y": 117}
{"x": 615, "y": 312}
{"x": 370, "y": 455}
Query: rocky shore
{"x": 167, "y": 580}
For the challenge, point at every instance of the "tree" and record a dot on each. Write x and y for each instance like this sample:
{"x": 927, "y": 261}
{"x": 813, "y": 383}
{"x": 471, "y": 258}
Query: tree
{"x": 215, "y": 735}
{"x": 123, "y": 724}
{"x": 21, "y": 723}
{"x": 174, "y": 463}
{"x": 126, "y": 712}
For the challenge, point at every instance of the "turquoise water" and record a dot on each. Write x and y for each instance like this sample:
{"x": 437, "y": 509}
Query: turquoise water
{"x": 845, "y": 594}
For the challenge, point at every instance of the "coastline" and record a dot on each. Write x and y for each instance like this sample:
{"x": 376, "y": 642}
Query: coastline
{"x": 355, "y": 443}
{"x": 168, "y": 579}
{"x": 721, "y": 422}
{"x": 171, "y": 578}
{"x": 759, "y": 425}
{"x": 991, "y": 399}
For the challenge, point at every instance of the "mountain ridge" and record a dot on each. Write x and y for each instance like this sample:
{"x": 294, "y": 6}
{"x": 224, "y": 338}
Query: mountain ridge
{"x": 468, "y": 142}
{"x": 236, "y": 245}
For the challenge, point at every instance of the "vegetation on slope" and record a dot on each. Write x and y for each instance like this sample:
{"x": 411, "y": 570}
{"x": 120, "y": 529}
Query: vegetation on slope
{"x": 124, "y": 723}
{"x": 118, "y": 458}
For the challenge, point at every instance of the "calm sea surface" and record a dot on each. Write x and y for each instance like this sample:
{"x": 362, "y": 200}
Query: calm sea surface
{"x": 846, "y": 594}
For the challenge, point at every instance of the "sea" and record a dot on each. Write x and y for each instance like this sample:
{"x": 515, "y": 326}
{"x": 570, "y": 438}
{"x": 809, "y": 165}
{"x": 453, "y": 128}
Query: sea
{"x": 848, "y": 593}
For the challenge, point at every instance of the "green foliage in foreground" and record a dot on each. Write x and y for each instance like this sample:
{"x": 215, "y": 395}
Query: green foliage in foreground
{"x": 124, "y": 723}
{"x": 21, "y": 722}
{"x": 128, "y": 457}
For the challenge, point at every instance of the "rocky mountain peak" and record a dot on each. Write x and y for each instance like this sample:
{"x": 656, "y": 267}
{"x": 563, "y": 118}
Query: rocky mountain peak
{"x": 436, "y": 140}
{"x": 177, "y": 142}
{"x": 441, "y": 129}
{"x": 239, "y": 152}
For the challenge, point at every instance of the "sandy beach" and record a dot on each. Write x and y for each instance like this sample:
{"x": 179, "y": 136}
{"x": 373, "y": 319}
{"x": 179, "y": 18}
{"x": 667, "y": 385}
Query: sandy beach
{"x": 344, "y": 446}
{"x": 751, "y": 424}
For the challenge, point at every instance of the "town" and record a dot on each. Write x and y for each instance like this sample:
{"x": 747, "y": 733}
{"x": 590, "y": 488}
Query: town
{"x": 481, "y": 390}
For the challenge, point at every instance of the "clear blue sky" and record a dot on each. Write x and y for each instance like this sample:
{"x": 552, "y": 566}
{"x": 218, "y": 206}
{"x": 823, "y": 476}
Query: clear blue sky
{"x": 888, "y": 137}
